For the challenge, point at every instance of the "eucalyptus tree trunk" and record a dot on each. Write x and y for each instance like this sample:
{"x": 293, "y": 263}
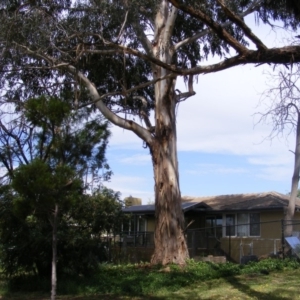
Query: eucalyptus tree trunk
{"x": 290, "y": 212}
{"x": 169, "y": 239}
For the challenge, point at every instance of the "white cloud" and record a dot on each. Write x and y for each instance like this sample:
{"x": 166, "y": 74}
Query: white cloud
{"x": 124, "y": 139}
{"x": 131, "y": 186}
{"x": 138, "y": 159}
{"x": 201, "y": 169}
{"x": 128, "y": 180}
{"x": 272, "y": 160}
{"x": 275, "y": 173}
{"x": 219, "y": 119}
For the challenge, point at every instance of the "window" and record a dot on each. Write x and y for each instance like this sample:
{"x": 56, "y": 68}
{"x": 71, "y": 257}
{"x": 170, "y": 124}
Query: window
{"x": 142, "y": 224}
{"x": 230, "y": 225}
{"x": 213, "y": 225}
{"x": 243, "y": 224}
{"x": 134, "y": 223}
{"x": 254, "y": 224}
{"x": 128, "y": 224}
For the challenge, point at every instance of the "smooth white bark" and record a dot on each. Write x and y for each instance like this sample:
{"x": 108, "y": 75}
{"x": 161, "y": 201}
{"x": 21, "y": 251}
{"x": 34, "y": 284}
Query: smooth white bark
{"x": 54, "y": 253}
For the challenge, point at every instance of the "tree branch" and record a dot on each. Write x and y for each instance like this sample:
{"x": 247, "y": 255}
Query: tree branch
{"x": 7, "y": 161}
{"x": 183, "y": 96}
{"x": 216, "y": 27}
{"x": 17, "y": 139}
{"x": 141, "y": 132}
{"x": 122, "y": 28}
{"x": 283, "y": 55}
{"x": 133, "y": 89}
{"x": 239, "y": 22}
{"x": 203, "y": 33}
{"x": 144, "y": 114}
{"x": 143, "y": 38}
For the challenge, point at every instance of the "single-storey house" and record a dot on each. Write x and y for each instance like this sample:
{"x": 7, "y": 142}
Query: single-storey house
{"x": 232, "y": 225}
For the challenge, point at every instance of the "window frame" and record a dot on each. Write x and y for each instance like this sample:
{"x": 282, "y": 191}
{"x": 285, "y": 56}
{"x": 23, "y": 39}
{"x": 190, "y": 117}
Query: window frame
{"x": 236, "y": 224}
{"x": 142, "y": 219}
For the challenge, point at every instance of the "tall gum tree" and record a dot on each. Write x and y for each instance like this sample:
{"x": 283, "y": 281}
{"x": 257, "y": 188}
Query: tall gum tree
{"x": 128, "y": 55}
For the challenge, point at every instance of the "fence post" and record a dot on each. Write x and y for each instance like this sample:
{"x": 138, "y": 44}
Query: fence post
{"x": 193, "y": 244}
{"x": 229, "y": 250}
{"x": 207, "y": 243}
{"x": 124, "y": 246}
{"x": 282, "y": 238}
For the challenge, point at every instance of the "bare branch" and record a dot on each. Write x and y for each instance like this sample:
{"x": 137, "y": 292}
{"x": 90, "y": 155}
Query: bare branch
{"x": 122, "y": 28}
{"x": 283, "y": 102}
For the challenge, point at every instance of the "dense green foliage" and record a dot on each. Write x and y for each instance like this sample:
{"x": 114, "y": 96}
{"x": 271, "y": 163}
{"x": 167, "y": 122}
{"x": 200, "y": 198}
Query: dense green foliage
{"x": 143, "y": 280}
{"x": 49, "y": 150}
{"x": 25, "y": 233}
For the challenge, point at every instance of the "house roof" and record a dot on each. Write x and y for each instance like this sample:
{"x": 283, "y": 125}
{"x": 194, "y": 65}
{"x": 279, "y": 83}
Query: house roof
{"x": 150, "y": 209}
{"x": 236, "y": 202}
{"x": 239, "y": 202}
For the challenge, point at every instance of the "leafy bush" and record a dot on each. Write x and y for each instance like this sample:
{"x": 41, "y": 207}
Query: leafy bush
{"x": 270, "y": 265}
{"x": 25, "y": 239}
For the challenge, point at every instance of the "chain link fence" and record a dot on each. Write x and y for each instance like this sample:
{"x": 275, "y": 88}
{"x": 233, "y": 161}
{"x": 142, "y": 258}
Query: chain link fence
{"x": 205, "y": 242}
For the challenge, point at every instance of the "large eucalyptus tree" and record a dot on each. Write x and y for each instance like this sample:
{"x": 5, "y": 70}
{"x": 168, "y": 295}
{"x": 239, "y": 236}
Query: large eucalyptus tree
{"x": 128, "y": 55}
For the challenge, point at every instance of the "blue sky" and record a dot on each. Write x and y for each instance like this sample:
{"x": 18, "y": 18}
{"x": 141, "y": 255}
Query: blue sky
{"x": 220, "y": 149}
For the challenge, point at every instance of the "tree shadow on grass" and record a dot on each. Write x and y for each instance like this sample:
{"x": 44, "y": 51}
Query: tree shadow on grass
{"x": 88, "y": 297}
{"x": 242, "y": 285}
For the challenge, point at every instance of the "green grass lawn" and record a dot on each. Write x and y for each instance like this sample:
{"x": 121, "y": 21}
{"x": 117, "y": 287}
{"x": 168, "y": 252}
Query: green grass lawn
{"x": 279, "y": 285}
{"x": 265, "y": 280}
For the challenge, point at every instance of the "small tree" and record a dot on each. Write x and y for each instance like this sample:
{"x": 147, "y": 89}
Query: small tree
{"x": 43, "y": 191}
{"x": 283, "y": 110}
{"x": 47, "y": 150}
